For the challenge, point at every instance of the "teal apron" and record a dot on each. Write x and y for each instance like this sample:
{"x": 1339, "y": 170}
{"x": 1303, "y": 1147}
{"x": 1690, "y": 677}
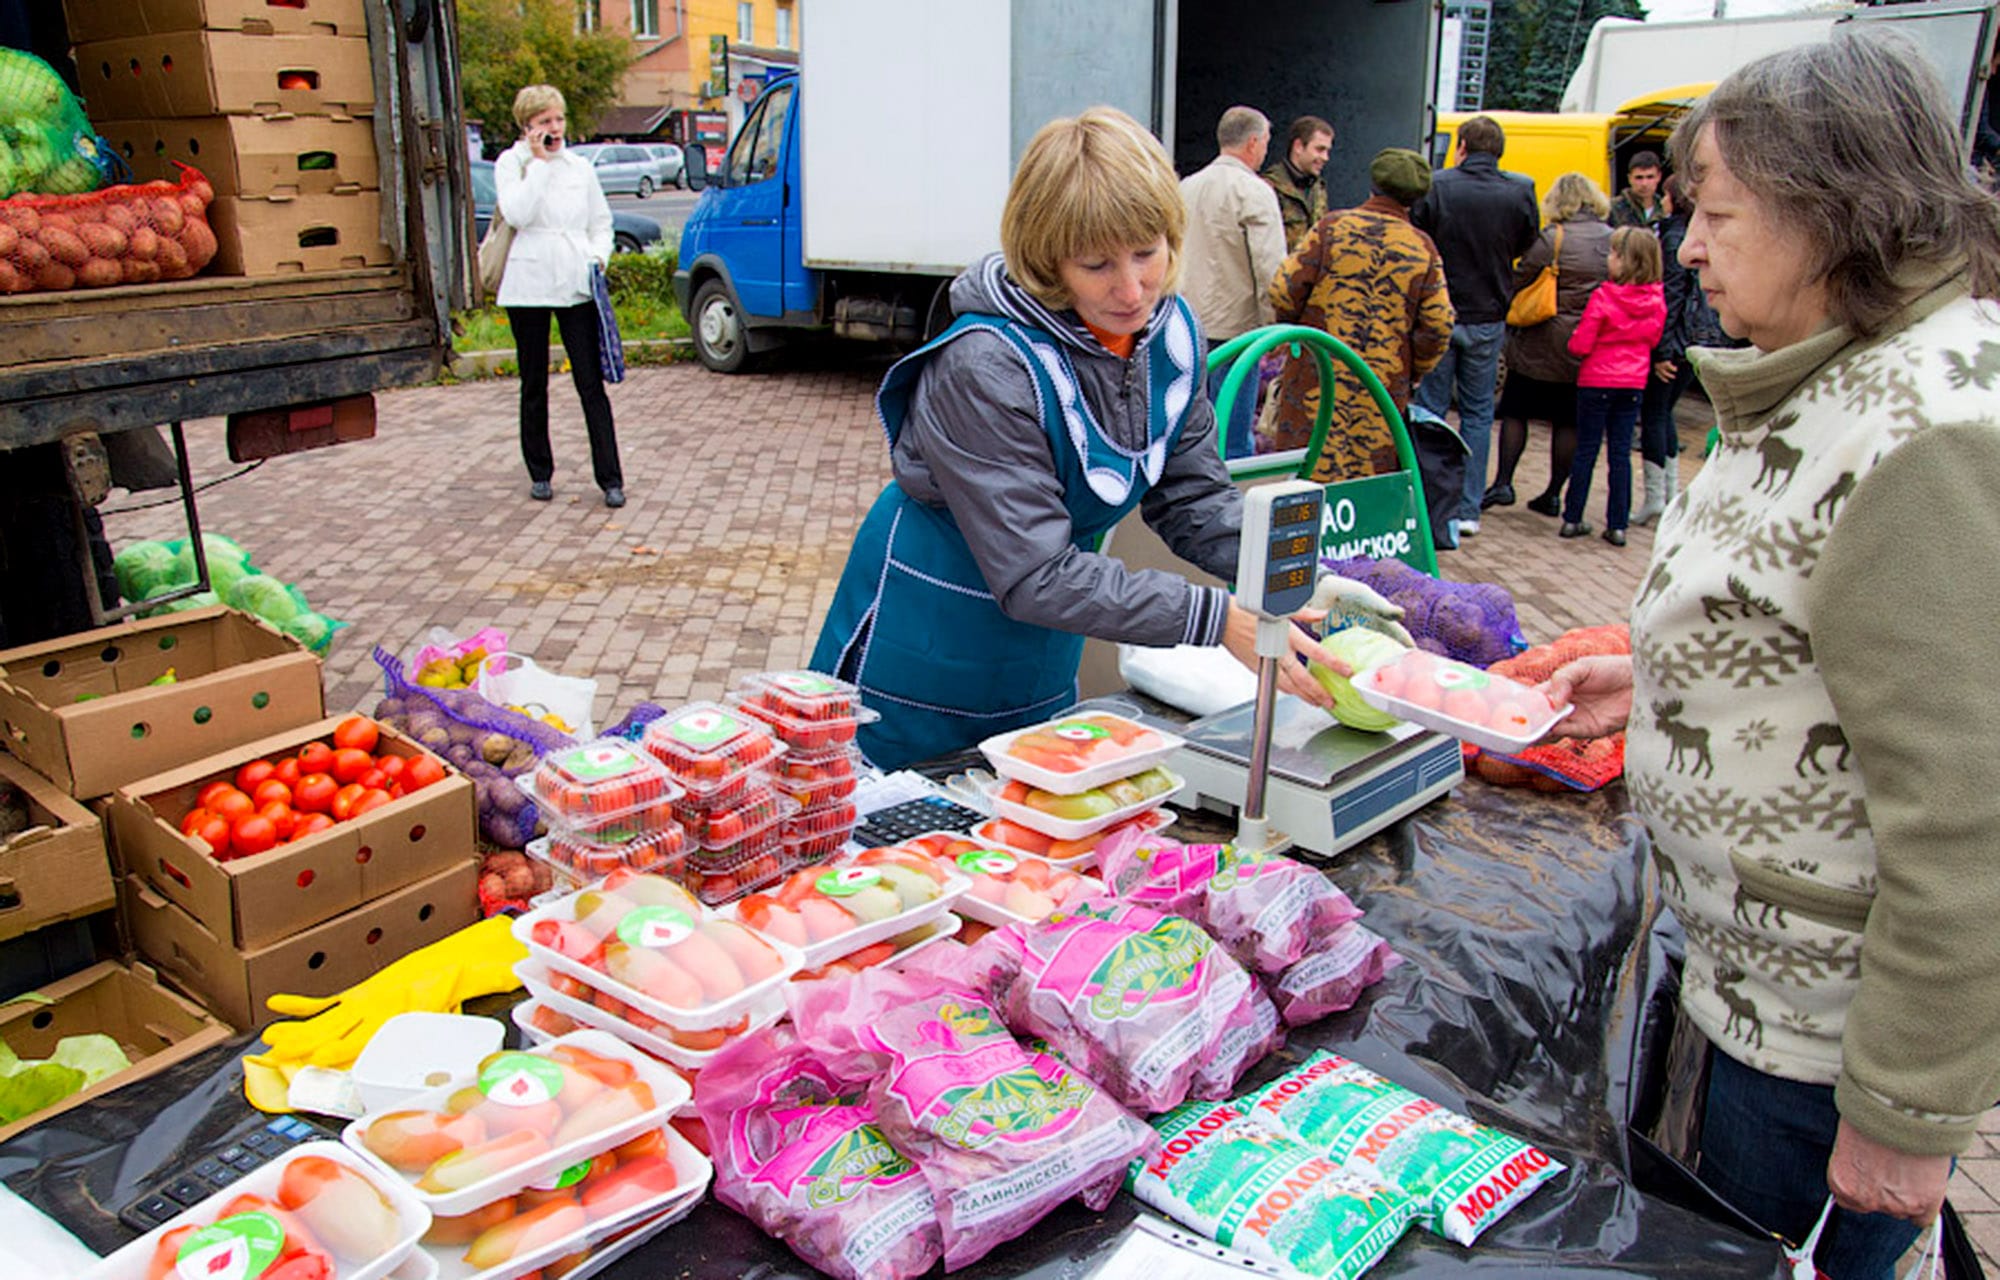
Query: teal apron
{"x": 913, "y": 623}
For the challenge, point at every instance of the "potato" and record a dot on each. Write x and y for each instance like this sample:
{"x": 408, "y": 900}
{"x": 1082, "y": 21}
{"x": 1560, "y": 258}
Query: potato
{"x": 12, "y": 281}
{"x": 99, "y": 273}
{"x": 102, "y": 241}
{"x": 8, "y": 239}
{"x": 166, "y": 215}
{"x": 62, "y": 244}
{"x": 199, "y": 241}
{"x": 142, "y": 243}
{"x": 200, "y": 186}
{"x": 60, "y": 221}
{"x": 30, "y": 255}
{"x": 173, "y": 260}
{"x": 121, "y": 217}
{"x": 21, "y": 218}
{"x": 140, "y": 270}
{"x": 192, "y": 205}
{"x": 55, "y": 276}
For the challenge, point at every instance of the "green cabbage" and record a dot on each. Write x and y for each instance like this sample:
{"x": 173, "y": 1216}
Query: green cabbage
{"x": 1360, "y": 648}
{"x": 78, "y": 1063}
{"x": 144, "y": 568}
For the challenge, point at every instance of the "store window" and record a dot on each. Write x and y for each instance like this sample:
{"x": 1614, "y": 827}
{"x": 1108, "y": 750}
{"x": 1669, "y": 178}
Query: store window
{"x": 645, "y": 17}
{"x": 784, "y": 27}
{"x": 746, "y": 22}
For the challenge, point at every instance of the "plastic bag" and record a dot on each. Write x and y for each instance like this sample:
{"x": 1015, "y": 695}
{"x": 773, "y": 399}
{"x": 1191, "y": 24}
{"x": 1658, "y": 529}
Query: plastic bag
{"x": 797, "y": 1151}
{"x": 46, "y": 143}
{"x": 1265, "y": 909}
{"x": 1002, "y": 1135}
{"x": 1333, "y": 977}
{"x": 1248, "y": 1185}
{"x": 1139, "y": 1001}
{"x": 513, "y": 680}
{"x": 144, "y": 568}
{"x": 120, "y": 235}
{"x": 1465, "y": 1176}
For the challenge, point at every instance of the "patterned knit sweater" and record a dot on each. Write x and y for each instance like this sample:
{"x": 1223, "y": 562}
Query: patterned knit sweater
{"x": 1815, "y": 737}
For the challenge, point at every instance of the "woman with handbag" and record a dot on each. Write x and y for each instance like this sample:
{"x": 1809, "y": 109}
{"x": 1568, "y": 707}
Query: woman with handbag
{"x": 562, "y": 236}
{"x": 1552, "y": 284}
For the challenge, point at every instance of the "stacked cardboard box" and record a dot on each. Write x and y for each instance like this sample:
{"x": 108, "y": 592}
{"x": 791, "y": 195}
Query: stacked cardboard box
{"x": 273, "y": 103}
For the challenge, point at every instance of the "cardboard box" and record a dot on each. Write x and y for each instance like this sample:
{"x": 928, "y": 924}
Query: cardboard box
{"x": 114, "y": 19}
{"x": 236, "y": 680}
{"x": 311, "y": 233}
{"x": 252, "y": 902}
{"x": 277, "y": 156}
{"x": 55, "y": 870}
{"x": 322, "y": 961}
{"x": 155, "y": 1027}
{"x": 208, "y": 73}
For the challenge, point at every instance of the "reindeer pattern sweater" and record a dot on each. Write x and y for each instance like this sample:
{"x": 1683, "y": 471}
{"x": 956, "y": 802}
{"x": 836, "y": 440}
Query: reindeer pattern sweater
{"x": 1815, "y": 736}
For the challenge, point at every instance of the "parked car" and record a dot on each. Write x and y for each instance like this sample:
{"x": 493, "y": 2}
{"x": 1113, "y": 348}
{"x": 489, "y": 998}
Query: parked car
{"x": 630, "y": 232}
{"x": 671, "y": 166}
{"x": 621, "y": 167}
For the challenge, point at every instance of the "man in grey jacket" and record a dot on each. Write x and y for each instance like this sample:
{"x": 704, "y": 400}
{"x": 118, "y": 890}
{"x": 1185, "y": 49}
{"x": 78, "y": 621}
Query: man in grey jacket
{"x": 1235, "y": 245}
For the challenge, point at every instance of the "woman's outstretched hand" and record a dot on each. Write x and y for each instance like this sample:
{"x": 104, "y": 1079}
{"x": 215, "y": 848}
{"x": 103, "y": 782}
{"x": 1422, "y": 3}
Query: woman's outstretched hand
{"x": 1600, "y": 688}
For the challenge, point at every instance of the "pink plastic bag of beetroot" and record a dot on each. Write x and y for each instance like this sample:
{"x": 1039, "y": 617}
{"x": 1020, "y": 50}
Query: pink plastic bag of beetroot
{"x": 797, "y": 1151}
{"x": 1267, "y": 910}
{"x": 1139, "y": 1001}
{"x": 1002, "y": 1135}
{"x": 1333, "y": 977}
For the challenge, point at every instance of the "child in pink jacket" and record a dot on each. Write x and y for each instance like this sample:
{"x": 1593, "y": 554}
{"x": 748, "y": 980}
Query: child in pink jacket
{"x": 1620, "y": 325}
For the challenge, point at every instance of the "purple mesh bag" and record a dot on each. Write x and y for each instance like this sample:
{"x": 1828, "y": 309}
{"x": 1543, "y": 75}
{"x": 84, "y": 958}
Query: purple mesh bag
{"x": 1473, "y": 622}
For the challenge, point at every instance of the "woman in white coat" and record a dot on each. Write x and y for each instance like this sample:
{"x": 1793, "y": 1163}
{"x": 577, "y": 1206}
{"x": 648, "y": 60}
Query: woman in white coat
{"x": 562, "y": 226}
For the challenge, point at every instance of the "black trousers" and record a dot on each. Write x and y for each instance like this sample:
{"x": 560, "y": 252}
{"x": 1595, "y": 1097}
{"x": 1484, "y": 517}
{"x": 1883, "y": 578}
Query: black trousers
{"x": 579, "y": 339}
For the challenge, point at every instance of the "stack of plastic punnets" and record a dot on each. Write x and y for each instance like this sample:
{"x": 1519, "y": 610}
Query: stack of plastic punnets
{"x": 607, "y": 806}
{"x": 816, "y": 717}
{"x": 733, "y": 813}
{"x": 1071, "y": 780}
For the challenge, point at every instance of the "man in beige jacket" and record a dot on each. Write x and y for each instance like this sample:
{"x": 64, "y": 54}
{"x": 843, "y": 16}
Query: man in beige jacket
{"x": 1235, "y": 244}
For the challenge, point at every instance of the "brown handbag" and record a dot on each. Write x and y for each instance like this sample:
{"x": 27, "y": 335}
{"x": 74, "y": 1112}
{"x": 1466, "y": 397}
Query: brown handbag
{"x": 1536, "y": 302}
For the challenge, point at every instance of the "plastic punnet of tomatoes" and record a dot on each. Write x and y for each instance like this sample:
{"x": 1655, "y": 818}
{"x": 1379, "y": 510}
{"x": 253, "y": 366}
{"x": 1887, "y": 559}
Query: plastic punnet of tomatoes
{"x": 713, "y": 751}
{"x": 818, "y": 777}
{"x": 810, "y": 851}
{"x": 802, "y": 695}
{"x": 720, "y": 826}
{"x": 659, "y": 851}
{"x": 840, "y": 815}
{"x": 724, "y": 875}
{"x": 599, "y": 783}
{"x": 799, "y": 732}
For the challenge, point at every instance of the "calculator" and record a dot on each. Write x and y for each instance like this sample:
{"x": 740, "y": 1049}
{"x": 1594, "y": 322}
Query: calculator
{"x": 914, "y": 817}
{"x": 230, "y": 1159}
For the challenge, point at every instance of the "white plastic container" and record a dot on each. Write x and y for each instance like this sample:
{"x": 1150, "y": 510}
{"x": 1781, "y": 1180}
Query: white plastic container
{"x": 1078, "y": 828}
{"x": 1086, "y": 729}
{"x": 413, "y": 1052}
{"x": 986, "y": 833}
{"x": 842, "y": 878}
{"x": 669, "y": 1092}
{"x": 634, "y": 1236}
{"x": 535, "y": 977}
{"x": 524, "y": 1012}
{"x": 692, "y": 1173}
{"x": 1509, "y": 715}
{"x": 134, "y": 1260}
{"x": 705, "y": 1017}
{"x": 1004, "y": 864}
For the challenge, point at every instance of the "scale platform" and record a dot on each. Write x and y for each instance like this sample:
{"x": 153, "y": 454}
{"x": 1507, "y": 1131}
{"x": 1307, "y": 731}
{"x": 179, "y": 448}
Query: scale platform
{"x": 1330, "y": 786}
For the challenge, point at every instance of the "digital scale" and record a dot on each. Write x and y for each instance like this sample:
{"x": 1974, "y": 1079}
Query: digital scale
{"x": 1293, "y": 777}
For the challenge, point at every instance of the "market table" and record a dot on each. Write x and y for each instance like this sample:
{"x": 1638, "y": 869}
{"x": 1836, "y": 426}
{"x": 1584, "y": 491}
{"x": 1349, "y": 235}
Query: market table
{"x": 1535, "y": 994}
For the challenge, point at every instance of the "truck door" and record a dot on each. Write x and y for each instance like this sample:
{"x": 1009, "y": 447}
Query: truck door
{"x": 749, "y": 230}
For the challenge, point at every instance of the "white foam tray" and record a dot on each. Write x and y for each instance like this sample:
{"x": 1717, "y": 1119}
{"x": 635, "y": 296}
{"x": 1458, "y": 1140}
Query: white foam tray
{"x": 1077, "y": 828}
{"x": 872, "y": 932}
{"x": 1069, "y": 784}
{"x": 1082, "y": 861}
{"x": 973, "y": 907}
{"x": 535, "y": 976}
{"x": 1482, "y": 736}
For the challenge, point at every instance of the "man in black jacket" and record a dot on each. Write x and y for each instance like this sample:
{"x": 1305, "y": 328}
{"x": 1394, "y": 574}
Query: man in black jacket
{"x": 1482, "y": 219}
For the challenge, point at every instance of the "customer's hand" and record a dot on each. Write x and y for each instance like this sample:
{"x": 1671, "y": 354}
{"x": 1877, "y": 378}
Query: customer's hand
{"x": 1239, "y": 637}
{"x": 1664, "y": 370}
{"x": 1867, "y": 1177}
{"x": 1600, "y": 688}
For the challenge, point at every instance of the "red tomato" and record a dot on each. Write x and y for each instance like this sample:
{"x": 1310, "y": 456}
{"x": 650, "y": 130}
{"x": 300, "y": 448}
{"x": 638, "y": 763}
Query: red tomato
{"x": 213, "y": 832}
{"x": 288, "y": 771}
{"x": 392, "y": 767}
{"x": 370, "y": 798}
{"x": 211, "y": 791}
{"x": 251, "y": 835}
{"x": 314, "y": 794}
{"x": 250, "y": 775}
{"x": 232, "y": 804}
{"x": 343, "y": 801}
{"x": 421, "y": 772}
{"x": 315, "y": 757}
{"x": 358, "y": 732}
{"x": 374, "y": 778}
{"x": 311, "y": 824}
{"x": 396, "y": 791}
{"x": 280, "y": 816}
{"x": 349, "y": 763}
{"x": 192, "y": 819}
{"x": 271, "y": 790}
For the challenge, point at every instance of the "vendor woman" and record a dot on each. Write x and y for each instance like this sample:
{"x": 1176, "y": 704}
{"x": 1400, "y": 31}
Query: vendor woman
{"x": 1068, "y": 392}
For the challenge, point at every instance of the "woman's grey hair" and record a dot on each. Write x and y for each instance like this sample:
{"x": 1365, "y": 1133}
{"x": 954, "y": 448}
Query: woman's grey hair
{"x": 1850, "y": 144}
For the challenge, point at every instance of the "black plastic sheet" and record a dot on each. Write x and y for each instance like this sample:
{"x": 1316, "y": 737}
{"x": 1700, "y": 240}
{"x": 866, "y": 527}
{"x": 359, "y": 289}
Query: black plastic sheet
{"x": 1536, "y": 990}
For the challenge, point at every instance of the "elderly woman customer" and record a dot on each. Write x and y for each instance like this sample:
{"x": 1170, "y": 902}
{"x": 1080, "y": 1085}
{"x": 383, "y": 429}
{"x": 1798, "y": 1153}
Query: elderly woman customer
{"x": 562, "y": 229}
{"x": 1541, "y": 372}
{"x": 1809, "y": 703}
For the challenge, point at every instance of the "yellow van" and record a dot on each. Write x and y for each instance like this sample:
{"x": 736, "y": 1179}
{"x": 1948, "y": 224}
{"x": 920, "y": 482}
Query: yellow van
{"x": 1544, "y": 145}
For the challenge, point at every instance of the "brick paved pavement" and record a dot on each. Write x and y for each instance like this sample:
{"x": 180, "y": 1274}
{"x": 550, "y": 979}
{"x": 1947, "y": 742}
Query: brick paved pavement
{"x": 745, "y": 494}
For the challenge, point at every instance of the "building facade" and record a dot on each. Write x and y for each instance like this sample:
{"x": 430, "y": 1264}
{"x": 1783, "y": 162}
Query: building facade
{"x": 683, "y": 86}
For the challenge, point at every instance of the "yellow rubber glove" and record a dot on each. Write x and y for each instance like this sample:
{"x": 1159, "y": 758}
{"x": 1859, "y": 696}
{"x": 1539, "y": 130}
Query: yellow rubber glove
{"x": 477, "y": 960}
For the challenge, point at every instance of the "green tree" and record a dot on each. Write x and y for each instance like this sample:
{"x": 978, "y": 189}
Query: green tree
{"x": 1535, "y": 46}
{"x": 504, "y": 44}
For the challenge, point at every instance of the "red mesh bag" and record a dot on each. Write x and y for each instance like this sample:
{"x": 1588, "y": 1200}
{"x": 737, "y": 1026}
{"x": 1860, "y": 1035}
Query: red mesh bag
{"x": 135, "y": 234}
{"x": 1569, "y": 764}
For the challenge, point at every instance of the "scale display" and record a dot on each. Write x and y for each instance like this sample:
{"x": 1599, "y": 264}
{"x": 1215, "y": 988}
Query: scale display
{"x": 1278, "y": 564}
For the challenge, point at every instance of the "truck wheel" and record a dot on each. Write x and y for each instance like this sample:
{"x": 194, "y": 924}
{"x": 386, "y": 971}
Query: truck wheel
{"x": 718, "y": 329}
{"x": 645, "y": 187}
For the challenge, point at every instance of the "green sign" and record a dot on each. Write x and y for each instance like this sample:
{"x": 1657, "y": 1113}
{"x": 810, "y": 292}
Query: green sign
{"x": 1374, "y": 518}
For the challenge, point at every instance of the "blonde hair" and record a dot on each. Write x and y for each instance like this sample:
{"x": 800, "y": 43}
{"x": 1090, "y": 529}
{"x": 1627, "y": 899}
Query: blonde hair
{"x": 1571, "y": 194}
{"x": 1638, "y": 251}
{"x": 1088, "y": 184}
{"x": 533, "y": 99}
